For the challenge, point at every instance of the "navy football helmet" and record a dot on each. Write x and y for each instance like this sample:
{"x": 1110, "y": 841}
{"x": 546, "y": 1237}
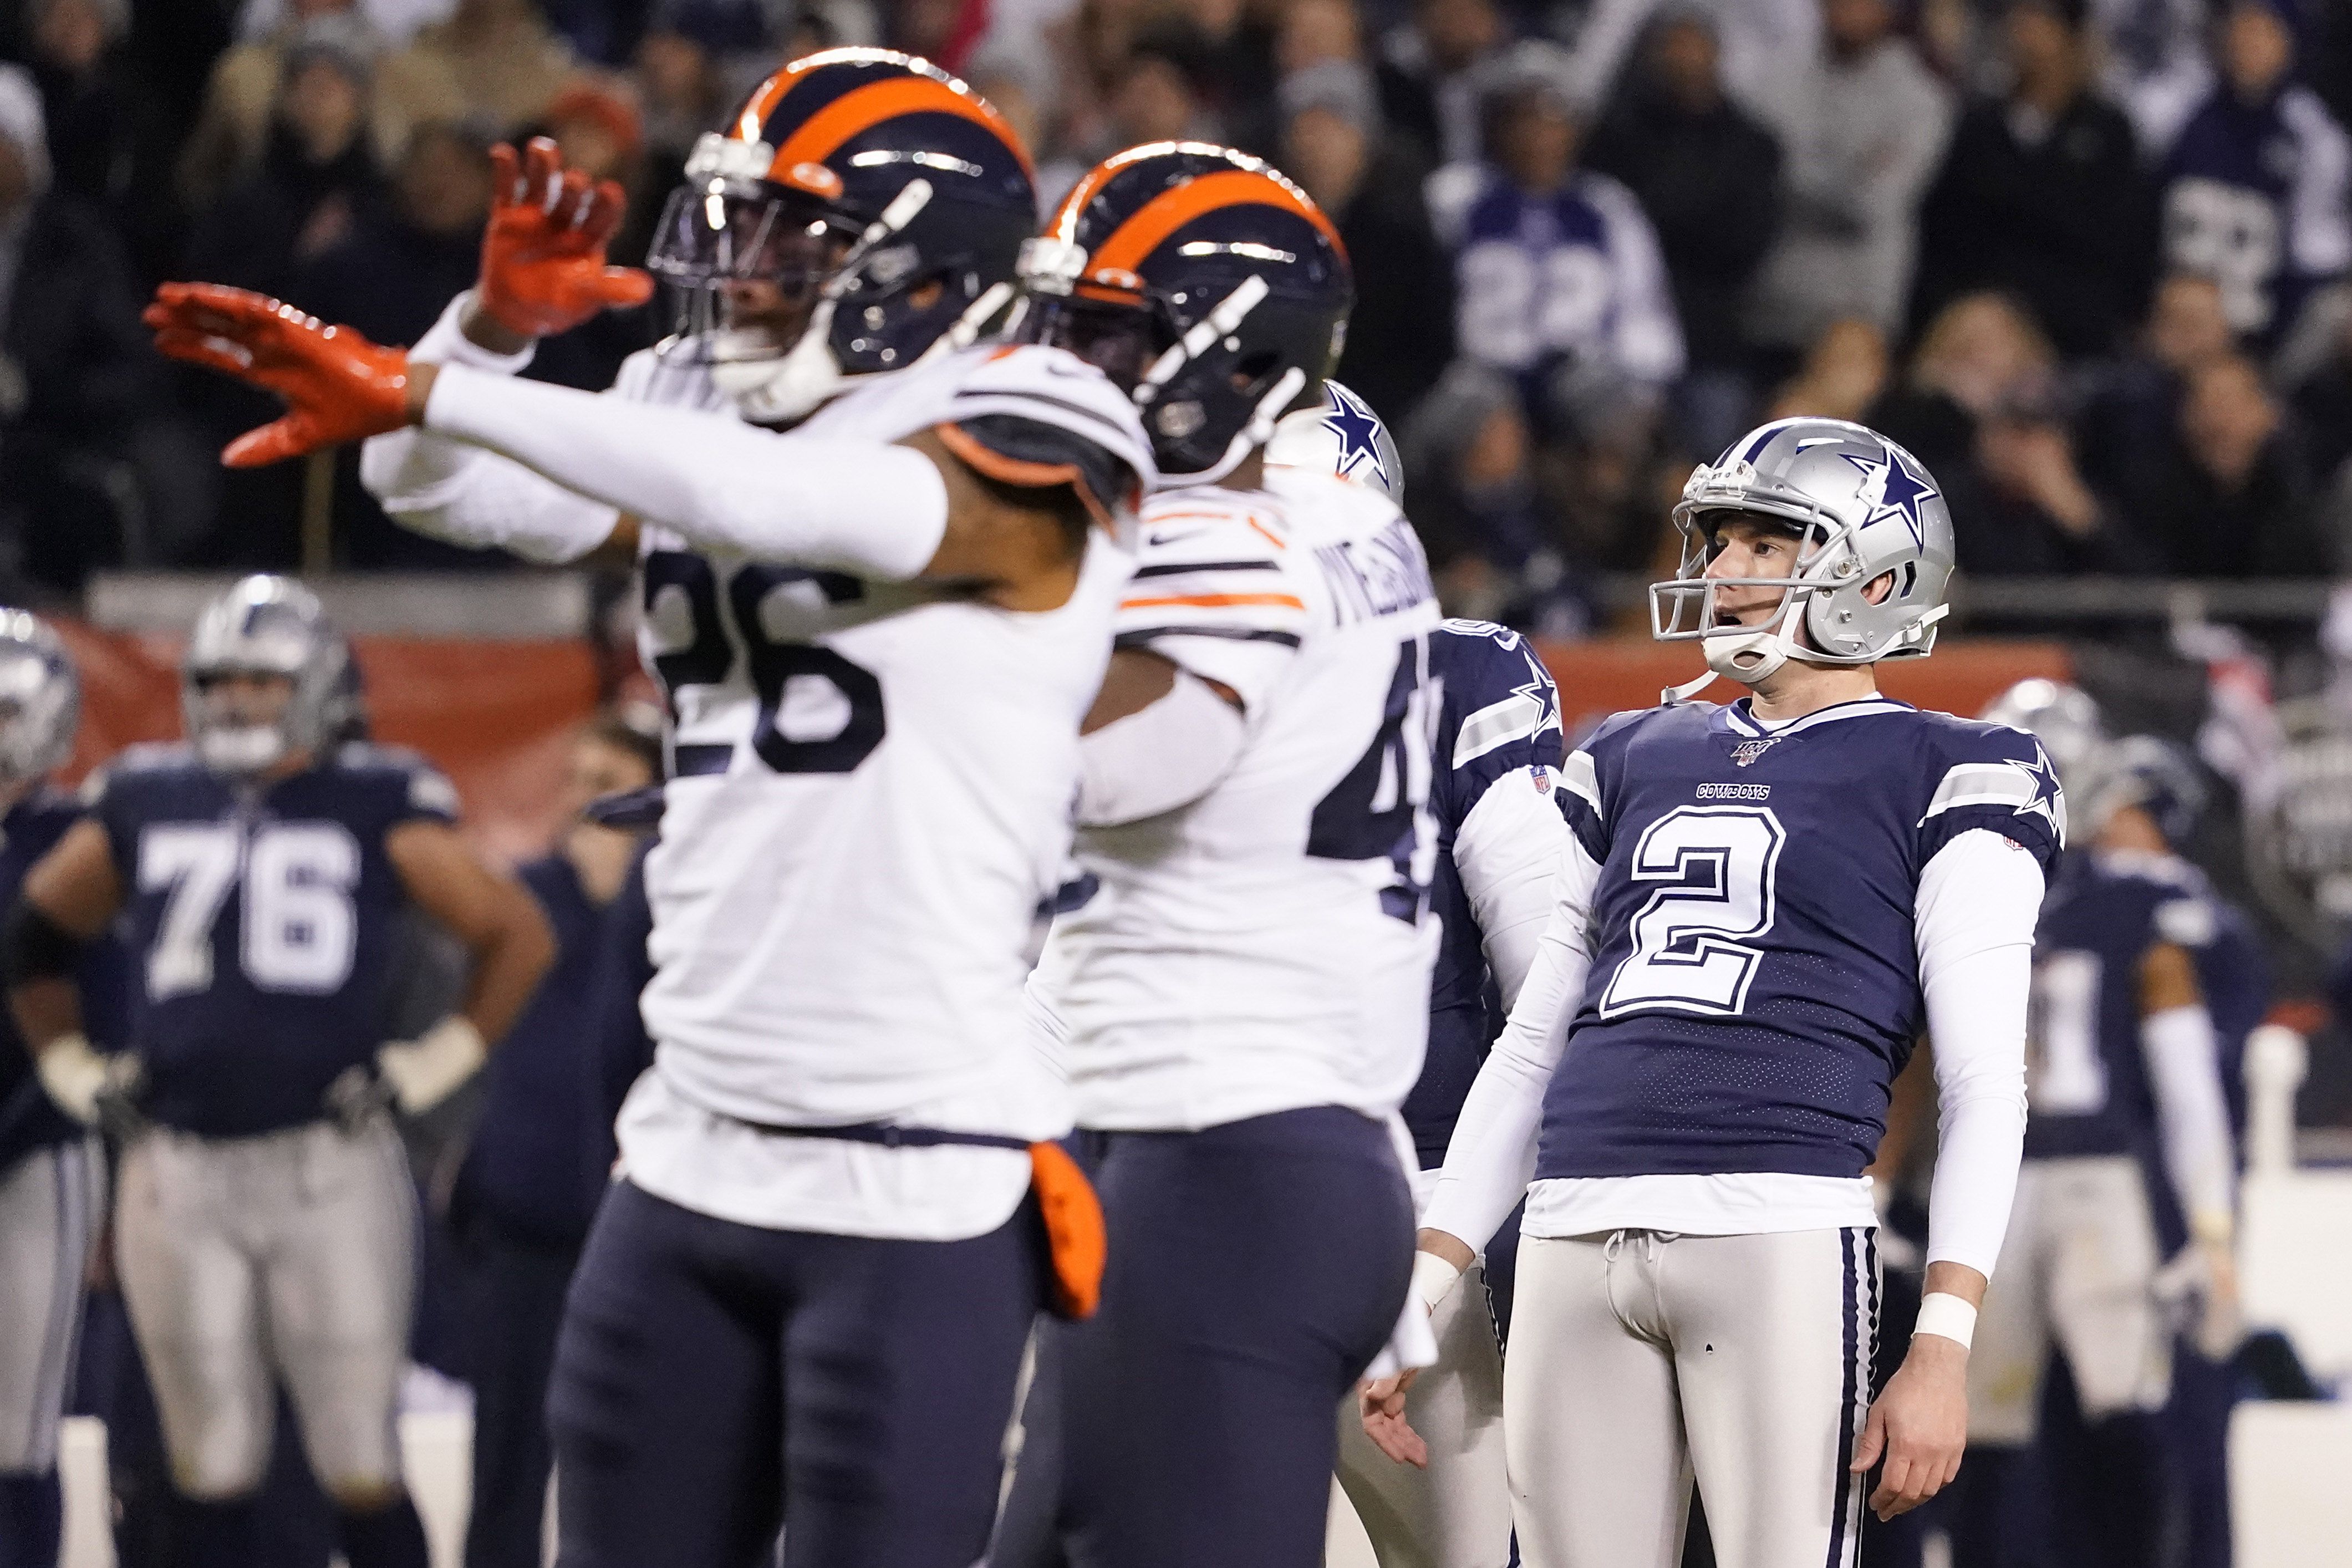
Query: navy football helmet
{"x": 858, "y": 176}
{"x": 1203, "y": 280}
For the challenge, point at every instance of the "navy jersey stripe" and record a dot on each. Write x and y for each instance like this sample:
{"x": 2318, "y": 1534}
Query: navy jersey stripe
{"x": 1842, "y": 1504}
{"x": 1181, "y": 568}
{"x": 1237, "y": 634}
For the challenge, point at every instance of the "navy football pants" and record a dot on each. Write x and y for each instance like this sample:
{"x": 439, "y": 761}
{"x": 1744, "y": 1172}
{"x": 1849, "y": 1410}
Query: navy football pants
{"x": 714, "y": 1380}
{"x": 1256, "y": 1269}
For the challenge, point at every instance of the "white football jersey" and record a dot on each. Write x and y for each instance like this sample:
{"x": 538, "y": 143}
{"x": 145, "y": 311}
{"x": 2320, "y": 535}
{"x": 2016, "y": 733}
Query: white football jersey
{"x": 1267, "y": 947}
{"x": 870, "y": 797}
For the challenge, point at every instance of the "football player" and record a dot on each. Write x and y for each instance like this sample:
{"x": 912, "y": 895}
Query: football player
{"x": 265, "y": 1227}
{"x": 52, "y": 1172}
{"x": 879, "y": 629}
{"x": 1241, "y": 981}
{"x": 1760, "y": 904}
{"x": 2122, "y": 1073}
{"x": 1442, "y": 1497}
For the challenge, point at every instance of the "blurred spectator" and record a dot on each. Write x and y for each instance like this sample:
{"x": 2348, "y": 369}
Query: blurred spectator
{"x": 79, "y": 383}
{"x": 1843, "y": 374}
{"x": 1765, "y": 43}
{"x": 1557, "y": 270}
{"x": 531, "y": 1181}
{"x": 599, "y": 133}
{"x": 1709, "y": 176}
{"x": 1979, "y": 411}
{"x": 2154, "y": 64}
{"x": 317, "y": 173}
{"x": 1469, "y": 460}
{"x": 2041, "y": 194}
{"x": 232, "y": 132}
{"x": 1861, "y": 130}
{"x": 1429, "y": 87}
{"x": 1157, "y": 94}
{"x": 506, "y": 63}
{"x": 84, "y": 96}
{"x": 2129, "y": 425}
{"x": 683, "y": 74}
{"x": 1401, "y": 334}
{"x": 2255, "y": 189}
{"x": 2317, "y": 370}
{"x": 2241, "y": 503}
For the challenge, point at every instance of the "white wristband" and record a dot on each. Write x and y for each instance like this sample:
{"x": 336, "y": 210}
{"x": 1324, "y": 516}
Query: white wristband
{"x": 1434, "y": 1279}
{"x": 1944, "y": 1314}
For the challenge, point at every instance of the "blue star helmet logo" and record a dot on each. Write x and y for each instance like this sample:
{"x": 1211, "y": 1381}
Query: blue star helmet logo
{"x": 2048, "y": 801}
{"x": 1359, "y": 430}
{"x": 1901, "y": 489}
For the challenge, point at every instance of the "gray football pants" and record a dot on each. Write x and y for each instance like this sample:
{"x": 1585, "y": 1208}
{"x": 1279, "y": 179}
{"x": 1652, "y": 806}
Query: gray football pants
{"x": 247, "y": 1260}
{"x": 1457, "y": 1512}
{"x": 50, "y": 1203}
{"x": 1640, "y": 1360}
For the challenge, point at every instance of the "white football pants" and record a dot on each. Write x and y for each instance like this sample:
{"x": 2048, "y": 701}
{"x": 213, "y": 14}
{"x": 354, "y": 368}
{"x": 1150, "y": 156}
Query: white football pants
{"x": 2078, "y": 1266}
{"x": 291, "y": 1254}
{"x": 51, "y": 1201}
{"x": 1457, "y": 1512}
{"x": 1640, "y": 1359}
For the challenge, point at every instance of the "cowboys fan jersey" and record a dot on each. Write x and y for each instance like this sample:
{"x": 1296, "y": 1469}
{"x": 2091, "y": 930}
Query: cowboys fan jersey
{"x": 1497, "y": 728}
{"x": 870, "y": 795}
{"x": 1265, "y": 948}
{"x": 260, "y": 923}
{"x": 1756, "y": 987}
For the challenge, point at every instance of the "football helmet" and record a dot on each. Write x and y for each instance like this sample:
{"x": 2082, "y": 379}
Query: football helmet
{"x": 1862, "y": 509}
{"x": 2073, "y": 735}
{"x": 40, "y": 699}
{"x": 266, "y": 626}
{"x": 2162, "y": 779}
{"x": 857, "y": 176}
{"x": 1203, "y": 280}
{"x": 1342, "y": 436}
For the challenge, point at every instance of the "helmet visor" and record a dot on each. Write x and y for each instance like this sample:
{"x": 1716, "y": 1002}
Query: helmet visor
{"x": 724, "y": 231}
{"x": 1120, "y": 341}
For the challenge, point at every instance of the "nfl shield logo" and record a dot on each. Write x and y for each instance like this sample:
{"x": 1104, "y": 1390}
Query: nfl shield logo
{"x": 1747, "y": 752}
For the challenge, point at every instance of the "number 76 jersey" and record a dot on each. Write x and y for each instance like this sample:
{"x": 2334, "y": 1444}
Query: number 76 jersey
{"x": 1755, "y": 984}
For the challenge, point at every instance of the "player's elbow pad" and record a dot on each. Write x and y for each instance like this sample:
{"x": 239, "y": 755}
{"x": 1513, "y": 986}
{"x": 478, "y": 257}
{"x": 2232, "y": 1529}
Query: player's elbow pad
{"x": 35, "y": 947}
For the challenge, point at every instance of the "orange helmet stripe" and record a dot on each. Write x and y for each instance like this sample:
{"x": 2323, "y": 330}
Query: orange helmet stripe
{"x": 866, "y": 107}
{"x": 1125, "y": 248}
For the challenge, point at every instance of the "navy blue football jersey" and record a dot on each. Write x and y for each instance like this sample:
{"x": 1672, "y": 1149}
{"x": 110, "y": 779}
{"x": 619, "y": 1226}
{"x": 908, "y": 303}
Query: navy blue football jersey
{"x": 1755, "y": 986}
{"x": 29, "y": 1120}
{"x": 260, "y": 926}
{"x": 2086, "y": 1078}
{"x": 1497, "y": 726}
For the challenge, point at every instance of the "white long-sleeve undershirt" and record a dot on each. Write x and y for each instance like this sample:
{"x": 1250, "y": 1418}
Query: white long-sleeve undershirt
{"x": 1974, "y": 915}
{"x": 1507, "y": 851}
{"x": 2193, "y": 1114}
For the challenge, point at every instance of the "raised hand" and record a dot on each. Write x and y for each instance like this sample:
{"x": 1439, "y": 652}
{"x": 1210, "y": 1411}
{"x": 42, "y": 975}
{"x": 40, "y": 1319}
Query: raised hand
{"x": 337, "y": 386}
{"x": 543, "y": 268}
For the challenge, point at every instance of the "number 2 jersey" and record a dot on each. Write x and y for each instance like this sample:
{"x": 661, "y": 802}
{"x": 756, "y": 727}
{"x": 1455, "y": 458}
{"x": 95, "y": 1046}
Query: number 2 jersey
{"x": 869, "y": 799}
{"x": 1265, "y": 947}
{"x": 1755, "y": 986}
{"x": 260, "y": 926}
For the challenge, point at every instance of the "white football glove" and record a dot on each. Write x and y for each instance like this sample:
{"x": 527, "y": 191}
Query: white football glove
{"x": 428, "y": 1069}
{"x": 78, "y": 1078}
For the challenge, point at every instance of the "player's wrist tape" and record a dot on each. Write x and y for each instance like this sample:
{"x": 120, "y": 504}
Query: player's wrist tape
{"x": 1946, "y": 1316}
{"x": 73, "y": 1075}
{"x": 427, "y": 1071}
{"x": 1434, "y": 1279}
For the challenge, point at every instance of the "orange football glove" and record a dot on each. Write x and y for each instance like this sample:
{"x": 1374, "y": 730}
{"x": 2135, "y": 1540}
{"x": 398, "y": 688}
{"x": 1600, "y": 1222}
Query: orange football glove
{"x": 543, "y": 268}
{"x": 337, "y": 386}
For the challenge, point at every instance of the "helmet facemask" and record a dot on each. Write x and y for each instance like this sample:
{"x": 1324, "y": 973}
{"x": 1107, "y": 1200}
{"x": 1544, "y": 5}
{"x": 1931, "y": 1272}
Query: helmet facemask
{"x": 262, "y": 629}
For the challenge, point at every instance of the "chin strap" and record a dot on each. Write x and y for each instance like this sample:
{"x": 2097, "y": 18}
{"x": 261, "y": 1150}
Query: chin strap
{"x": 1687, "y": 689}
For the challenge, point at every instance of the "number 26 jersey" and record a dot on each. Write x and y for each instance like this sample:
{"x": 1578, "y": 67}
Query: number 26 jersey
{"x": 1754, "y": 987}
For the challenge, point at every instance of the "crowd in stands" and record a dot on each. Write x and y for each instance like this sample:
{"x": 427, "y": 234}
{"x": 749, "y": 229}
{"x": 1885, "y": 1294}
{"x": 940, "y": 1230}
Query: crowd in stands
{"x": 2090, "y": 260}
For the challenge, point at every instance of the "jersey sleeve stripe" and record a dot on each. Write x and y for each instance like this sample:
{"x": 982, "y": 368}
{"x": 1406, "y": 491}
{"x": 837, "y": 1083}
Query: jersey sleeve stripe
{"x": 1019, "y": 400}
{"x": 1178, "y": 568}
{"x": 1216, "y": 600}
{"x": 1980, "y": 783}
{"x": 1515, "y": 718}
{"x": 1015, "y": 471}
{"x": 1232, "y": 634}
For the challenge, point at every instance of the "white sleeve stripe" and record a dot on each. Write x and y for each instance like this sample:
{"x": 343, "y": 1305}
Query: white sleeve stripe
{"x": 1981, "y": 784}
{"x": 1515, "y": 718}
{"x": 1582, "y": 782}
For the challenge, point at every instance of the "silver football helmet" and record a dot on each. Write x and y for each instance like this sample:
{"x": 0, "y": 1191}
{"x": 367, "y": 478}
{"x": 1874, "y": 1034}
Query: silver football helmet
{"x": 1341, "y": 436}
{"x": 1862, "y": 509}
{"x": 2073, "y": 735}
{"x": 266, "y": 626}
{"x": 40, "y": 699}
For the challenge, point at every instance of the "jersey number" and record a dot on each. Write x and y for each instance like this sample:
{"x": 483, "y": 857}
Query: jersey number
{"x": 819, "y": 712}
{"x": 1375, "y": 810}
{"x": 1719, "y": 867}
{"x": 301, "y": 930}
{"x": 2064, "y": 1074}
